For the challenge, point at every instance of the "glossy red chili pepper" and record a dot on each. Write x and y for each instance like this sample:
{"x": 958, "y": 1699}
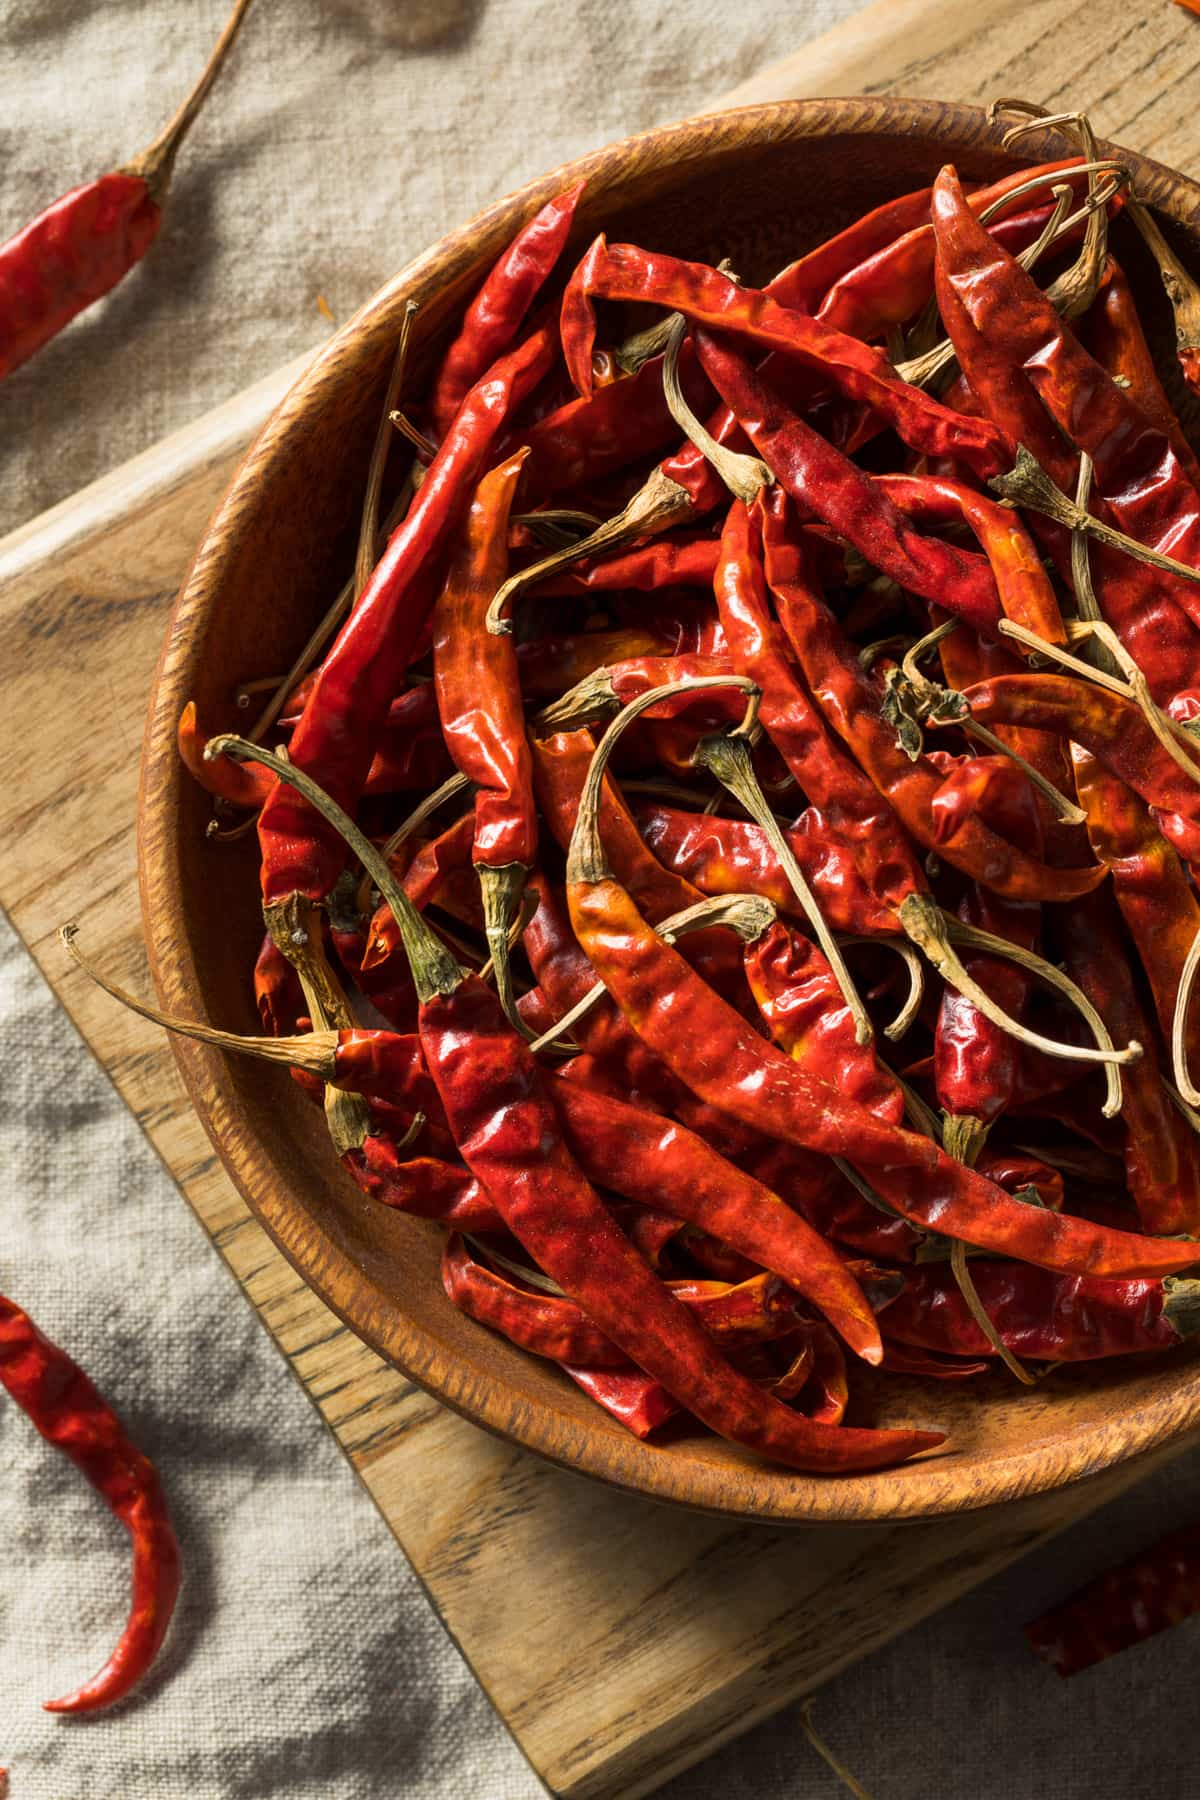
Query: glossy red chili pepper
{"x": 1149, "y": 881}
{"x": 1113, "y": 333}
{"x": 492, "y": 320}
{"x": 344, "y": 715}
{"x": 1147, "y": 1594}
{"x": 1115, "y": 733}
{"x": 635, "y": 1400}
{"x": 829, "y": 486}
{"x": 850, "y": 700}
{"x": 1058, "y": 1318}
{"x": 277, "y": 992}
{"x": 477, "y": 681}
{"x": 1161, "y": 1151}
{"x": 799, "y": 997}
{"x": 759, "y": 649}
{"x": 85, "y": 243}
{"x": 1139, "y": 478}
{"x": 666, "y": 562}
{"x": 70, "y": 1414}
{"x": 708, "y": 298}
{"x": 435, "y": 864}
{"x": 733, "y": 856}
{"x": 425, "y": 1186}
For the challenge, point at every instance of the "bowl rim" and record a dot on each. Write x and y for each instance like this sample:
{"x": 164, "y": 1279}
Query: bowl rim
{"x": 933, "y": 1486}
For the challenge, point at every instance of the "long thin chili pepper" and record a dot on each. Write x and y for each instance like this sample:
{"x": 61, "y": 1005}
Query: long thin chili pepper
{"x": 1113, "y": 333}
{"x": 85, "y": 243}
{"x": 69, "y": 1412}
{"x": 1148, "y": 1593}
{"x": 1055, "y": 1318}
{"x": 478, "y": 689}
{"x": 504, "y": 1124}
{"x": 708, "y": 298}
{"x": 493, "y": 318}
{"x": 348, "y": 704}
{"x": 723, "y": 1061}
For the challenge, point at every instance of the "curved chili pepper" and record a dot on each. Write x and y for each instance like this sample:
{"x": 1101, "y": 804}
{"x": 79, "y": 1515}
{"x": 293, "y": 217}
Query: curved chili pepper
{"x": 424, "y": 1186}
{"x": 85, "y": 243}
{"x": 707, "y": 298}
{"x": 1112, "y": 729}
{"x": 799, "y": 997}
{"x": 1113, "y": 333}
{"x": 277, "y": 992}
{"x": 62, "y": 1403}
{"x": 1144, "y": 1595}
{"x": 435, "y": 863}
{"x": 758, "y": 647}
{"x": 478, "y": 687}
{"x": 492, "y": 320}
{"x": 1056, "y": 1318}
{"x": 712, "y": 1049}
{"x": 504, "y": 1124}
{"x": 1149, "y": 881}
{"x": 637, "y": 1401}
{"x": 827, "y": 484}
{"x": 733, "y": 856}
{"x": 345, "y": 711}
{"x": 666, "y": 562}
{"x": 1139, "y": 478}
{"x": 1161, "y": 1151}
{"x": 850, "y": 701}
{"x": 1024, "y": 588}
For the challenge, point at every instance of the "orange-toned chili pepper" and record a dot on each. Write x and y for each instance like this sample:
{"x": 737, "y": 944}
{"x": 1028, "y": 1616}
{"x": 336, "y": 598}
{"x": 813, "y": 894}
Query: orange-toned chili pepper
{"x": 69, "y": 1412}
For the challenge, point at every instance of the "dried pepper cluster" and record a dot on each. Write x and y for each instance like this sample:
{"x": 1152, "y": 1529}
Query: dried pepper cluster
{"x": 813, "y": 665}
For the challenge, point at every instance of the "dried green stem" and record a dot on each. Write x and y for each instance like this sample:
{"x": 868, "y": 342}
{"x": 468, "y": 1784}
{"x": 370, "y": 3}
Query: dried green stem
{"x": 156, "y": 163}
{"x": 744, "y": 476}
{"x": 728, "y": 759}
{"x": 1182, "y": 289}
{"x": 979, "y": 1312}
{"x": 1179, "y": 1045}
{"x": 501, "y": 890}
{"x": 1027, "y": 484}
{"x": 368, "y": 530}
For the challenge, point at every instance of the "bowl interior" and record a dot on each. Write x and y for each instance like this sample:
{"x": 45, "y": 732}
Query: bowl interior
{"x": 761, "y": 186}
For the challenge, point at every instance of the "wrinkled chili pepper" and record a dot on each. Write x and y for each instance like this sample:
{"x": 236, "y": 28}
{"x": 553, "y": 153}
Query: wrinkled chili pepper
{"x": 715, "y": 1053}
{"x": 85, "y": 243}
{"x": 666, "y": 562}
{"x": 708, "y": 298}
{"x": 70, "y": 1414}
{"x": 1055, "y": 1318}
{"x": 1148, "y": 1593}
{"x": 344, "y": 714}
{"x": 494, "y": 317}
{"x": 504, "y": 1125}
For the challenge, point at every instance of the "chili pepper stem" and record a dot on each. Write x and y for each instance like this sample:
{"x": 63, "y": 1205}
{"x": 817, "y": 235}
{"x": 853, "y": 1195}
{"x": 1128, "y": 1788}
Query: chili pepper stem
{"x": 314, "y": 1052}
{"x": 903, "y": 1020}
{"x": 657, "y": 505}
{"x": 979, "y": 1312}
{"x": 826, "y": 1754}
{"x": 1073, "y": 291}
{"x": 931, "y": 930}
{"x": 728, "y": 759}
{"x": 744, "y": 476}
{"x": 154, "y": 165}
{"x": 368, "y": 530}
{"x": 296, "y": 928}
{"x": 1182, "y": 290}
{"x": 432, "y": 803}
{"x": 434, "y": 969}
{"x": 586, "y": 860}
{"x": 500, "y": 890}
{"x": 1181, "y": 1305}
{"x": 1179, "y": 1046}
{"x": 963, "y": 1136}
{"x": 1027, "y": 484}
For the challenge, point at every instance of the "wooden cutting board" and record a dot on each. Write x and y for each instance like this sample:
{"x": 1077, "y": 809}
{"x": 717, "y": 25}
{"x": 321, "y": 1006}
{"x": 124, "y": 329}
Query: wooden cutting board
{"x": 620, "y": 1641}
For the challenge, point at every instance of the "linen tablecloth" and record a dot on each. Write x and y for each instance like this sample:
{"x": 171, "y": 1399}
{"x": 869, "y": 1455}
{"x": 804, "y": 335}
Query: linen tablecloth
{"x": 346, "y": 135}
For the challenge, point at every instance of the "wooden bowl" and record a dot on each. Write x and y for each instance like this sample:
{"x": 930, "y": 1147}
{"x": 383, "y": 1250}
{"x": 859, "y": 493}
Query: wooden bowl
{"x": 760, "y": 185}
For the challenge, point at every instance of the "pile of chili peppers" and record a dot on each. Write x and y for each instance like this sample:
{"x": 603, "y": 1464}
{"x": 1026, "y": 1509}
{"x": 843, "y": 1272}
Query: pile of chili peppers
{"x": 726, "y": 852}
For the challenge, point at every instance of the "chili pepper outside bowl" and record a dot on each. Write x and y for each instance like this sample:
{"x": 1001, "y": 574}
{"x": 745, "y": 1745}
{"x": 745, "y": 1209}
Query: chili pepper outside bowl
{"x": 760, "y": 184}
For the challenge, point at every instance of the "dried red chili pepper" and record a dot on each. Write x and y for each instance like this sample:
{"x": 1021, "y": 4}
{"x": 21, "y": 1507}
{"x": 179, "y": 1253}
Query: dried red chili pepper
{"x": 504, "y": 1124}
{"x": 667, "y": 562}
{"x": 1144, "y": 1595}
{"x": 707, "y": 298}
{"x": 1114, "y": 732}
{"x": 344, "y": 714}
{"x": 637, "y": 1401}
{"x": 478, "y": 689}
{"x": 1113, "y": 333}
{"x": 493, "y": 318}
{"x": 66, "y": 1408}
{"x": 1055, "y": 1318}
{"x": 712, "y": 1049}
{"x": 85, "y": 243}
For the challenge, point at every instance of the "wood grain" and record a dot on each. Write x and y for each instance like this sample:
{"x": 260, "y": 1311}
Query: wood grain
{"x": 677, "y": 1631}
